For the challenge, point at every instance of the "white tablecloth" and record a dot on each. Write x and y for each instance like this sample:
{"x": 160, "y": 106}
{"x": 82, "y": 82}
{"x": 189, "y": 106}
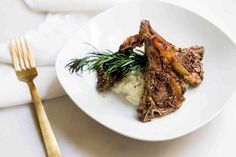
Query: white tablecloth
{"x": 78, "y": 135}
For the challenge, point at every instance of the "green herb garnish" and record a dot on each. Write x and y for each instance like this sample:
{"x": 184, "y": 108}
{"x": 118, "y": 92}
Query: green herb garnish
{"x": 112, "y": 63}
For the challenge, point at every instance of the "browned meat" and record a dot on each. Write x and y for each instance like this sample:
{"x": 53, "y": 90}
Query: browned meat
{"x": 168, "y": 52}
{"x": 163, "y": 91}
{"x": 131, "y": 43}
{"x": 167, "y": 69}
{"x": 191, "y": 59}
{"x": 104, "y": 83}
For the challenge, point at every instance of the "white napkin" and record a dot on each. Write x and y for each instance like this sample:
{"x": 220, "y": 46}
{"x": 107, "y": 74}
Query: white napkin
{"x": 48, "y": 38}
{"x": 71, "y": 5}
{"x": 45, "y": 42}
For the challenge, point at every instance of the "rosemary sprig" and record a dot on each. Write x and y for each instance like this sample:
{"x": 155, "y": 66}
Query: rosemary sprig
{"x": 112, "y": 63}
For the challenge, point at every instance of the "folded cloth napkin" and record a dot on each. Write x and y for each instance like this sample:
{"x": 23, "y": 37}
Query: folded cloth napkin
{"x": 71, "y": 5}
{"x": 45, "y": 42}
{"x": 48, "y": 38}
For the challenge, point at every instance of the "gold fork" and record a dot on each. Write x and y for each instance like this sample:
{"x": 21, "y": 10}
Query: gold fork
{"x": 26, "y": 71}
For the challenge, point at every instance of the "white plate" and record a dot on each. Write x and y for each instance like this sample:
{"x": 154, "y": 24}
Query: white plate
{"x": 179, "y": 26}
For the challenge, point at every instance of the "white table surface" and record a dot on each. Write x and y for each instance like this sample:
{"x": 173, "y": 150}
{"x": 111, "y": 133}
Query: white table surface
{"x": 78, "y": 135}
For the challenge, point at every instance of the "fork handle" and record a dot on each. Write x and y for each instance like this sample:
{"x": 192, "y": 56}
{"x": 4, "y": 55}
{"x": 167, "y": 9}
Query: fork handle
{"x": 50, "y": 142}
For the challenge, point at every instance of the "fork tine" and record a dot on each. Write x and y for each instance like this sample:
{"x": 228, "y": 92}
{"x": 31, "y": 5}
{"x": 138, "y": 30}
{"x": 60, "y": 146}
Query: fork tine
{"x": 14, "y": 57}
{"x": 31, "y": 59}
{"x": 24, "y": 54}
{"x": 19, "y": 54}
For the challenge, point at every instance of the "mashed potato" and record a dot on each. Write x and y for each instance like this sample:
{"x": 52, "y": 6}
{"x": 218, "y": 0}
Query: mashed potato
{"x": 132, "y": 86}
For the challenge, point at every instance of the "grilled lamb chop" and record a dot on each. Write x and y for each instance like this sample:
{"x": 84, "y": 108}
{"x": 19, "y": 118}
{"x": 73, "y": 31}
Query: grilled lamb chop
{"x": 169, "y": 53}
{"x": 185, "y": 61}
{"x": 167, "y": 69}
{"x": 163, "y": 91}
